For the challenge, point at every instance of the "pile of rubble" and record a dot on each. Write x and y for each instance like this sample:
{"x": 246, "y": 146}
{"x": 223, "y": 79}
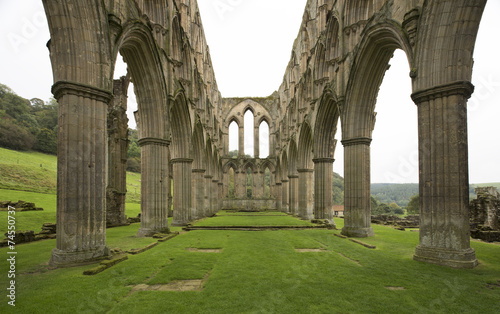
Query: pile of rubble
{"x": 410, "y": 221}
{"x": 20, "y": 206}
{"x": 48, "y": 232}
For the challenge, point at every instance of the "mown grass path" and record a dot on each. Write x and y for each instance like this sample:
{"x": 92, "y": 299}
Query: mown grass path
{"x": 260, "y": 272}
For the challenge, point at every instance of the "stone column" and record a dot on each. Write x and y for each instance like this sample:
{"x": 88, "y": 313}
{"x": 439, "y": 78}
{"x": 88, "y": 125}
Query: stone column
{"x": 285, "y": 189}
{"x": 154, "y": 186}
{"x": 198, "y": 186}
{"x": 241, "y": 141}
{"x": 81, "y": 173}
{"x": 221, "y": 195}
{"x": 170, "y": 197}
{"x": 182, "y": 191}
{"x": 294, "y": 194}
{"x": 323, "y": 195}
{"x": 118, "y": 142}
{"x": 214, "y": 197}
{"x": 279, "y": 202}
{"x": 305, "y": 193}
{"x": 444, "y": 177}
{"x": 256, "y": 146}
{"x": 357, "y": 198}
{"x": 208, "y": 194}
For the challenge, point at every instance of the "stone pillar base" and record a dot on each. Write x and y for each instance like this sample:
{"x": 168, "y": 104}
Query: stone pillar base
{"x": 445, "y": 257}
{"x": 179, "y": 223}
{"x": 357, "y": 232}
{"x": 148, "y": 232}
{"x": 68, "y": 259}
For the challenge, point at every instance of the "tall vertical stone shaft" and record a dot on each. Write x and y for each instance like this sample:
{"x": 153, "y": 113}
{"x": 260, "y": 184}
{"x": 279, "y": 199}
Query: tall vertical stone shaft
{"x": 323, "y": 194}
{"x": 278, "y": 195}
{"x": 154, "y": 186}
{"x": 294, "y": 194}
{"x": 81, "y": 173}
{"x": 118, "y": 142}
{"x": 221, "y": 195}
{"x": 357, "y": 221}
{"x": 285, "y": 189}
{"x": 214, "y": 197}
{"x": 444, "y": 177}
{"x": 241, "y": 140}
{"x": 198, "y": 185}
{"x": 256, "y": 145}
{"x": 208, "y": 193}
{"x": 305, "y": 193}
{"x": 182, "y": 191}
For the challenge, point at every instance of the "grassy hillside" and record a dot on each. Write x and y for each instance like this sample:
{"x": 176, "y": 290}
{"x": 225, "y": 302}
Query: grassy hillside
{"x": 37, "y": 172}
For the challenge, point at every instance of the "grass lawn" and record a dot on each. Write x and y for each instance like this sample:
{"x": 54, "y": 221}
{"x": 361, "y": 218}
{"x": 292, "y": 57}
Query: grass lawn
{"x": 33, "y": 220}
{"x": 226, "y": 218}
{"x": 260, "y": 272}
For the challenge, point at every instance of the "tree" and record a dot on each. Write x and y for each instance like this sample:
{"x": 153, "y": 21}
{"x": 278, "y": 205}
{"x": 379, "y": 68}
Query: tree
{"x": 413, "y": 207}
{"x": 14, "y": 136}
{"x": 233, "y": 154}
{"x": 46, "y": 141}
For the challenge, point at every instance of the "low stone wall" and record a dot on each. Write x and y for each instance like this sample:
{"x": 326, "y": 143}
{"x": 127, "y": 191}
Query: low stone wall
{"x": 249, "y": 204}
{"x": 410, "y": 221}
{"x": 20, "y": 206}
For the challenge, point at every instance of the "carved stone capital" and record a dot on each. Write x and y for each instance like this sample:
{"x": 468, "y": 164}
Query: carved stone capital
{"x": 153, "y": 141}
{"x": 61, "y": 88}
{"x": 325, "y": 160}
{"x": 357, "y": 141}
{"x": 463, "y": 88}
{"x": 181, "y": 161}
{"x": 305, "y": 170}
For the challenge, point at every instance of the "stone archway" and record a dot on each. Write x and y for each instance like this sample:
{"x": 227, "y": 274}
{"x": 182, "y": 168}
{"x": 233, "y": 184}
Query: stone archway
{"x": 337, "y": 64}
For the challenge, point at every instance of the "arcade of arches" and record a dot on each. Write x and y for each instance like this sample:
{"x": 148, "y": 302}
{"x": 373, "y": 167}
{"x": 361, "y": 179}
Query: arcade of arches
{"x": 337, "y": 65}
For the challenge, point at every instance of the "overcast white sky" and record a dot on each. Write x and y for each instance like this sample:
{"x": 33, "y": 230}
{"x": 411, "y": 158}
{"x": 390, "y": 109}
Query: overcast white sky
{"x": 250, "y": 43}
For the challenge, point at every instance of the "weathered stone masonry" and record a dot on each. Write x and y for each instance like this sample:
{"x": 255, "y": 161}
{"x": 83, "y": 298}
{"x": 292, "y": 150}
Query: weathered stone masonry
{"x": 337, "y": 65}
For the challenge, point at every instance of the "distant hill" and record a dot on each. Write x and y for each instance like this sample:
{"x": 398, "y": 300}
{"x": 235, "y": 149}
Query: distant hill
{"x": 37, "y": 172}
{"x": 397, "y": 193}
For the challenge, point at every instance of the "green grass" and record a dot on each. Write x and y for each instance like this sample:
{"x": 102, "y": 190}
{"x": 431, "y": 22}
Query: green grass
{"x": 33, "y": 220}
{"x": 37, "y": 172}
{"x": 252, "y": 219}
{"x": 260, "y": 272}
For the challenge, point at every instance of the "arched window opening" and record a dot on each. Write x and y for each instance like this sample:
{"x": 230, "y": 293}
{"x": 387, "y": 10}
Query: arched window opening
{"x": 233, "y": 139}
{"x": 397, "y": 116}
{"x": 267, "y": 183}
{"x": 231, "y": 183}
{"x": 249, "y": 183}
{"x": 264, "y": 139}
{"x": 249, "y": 133}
